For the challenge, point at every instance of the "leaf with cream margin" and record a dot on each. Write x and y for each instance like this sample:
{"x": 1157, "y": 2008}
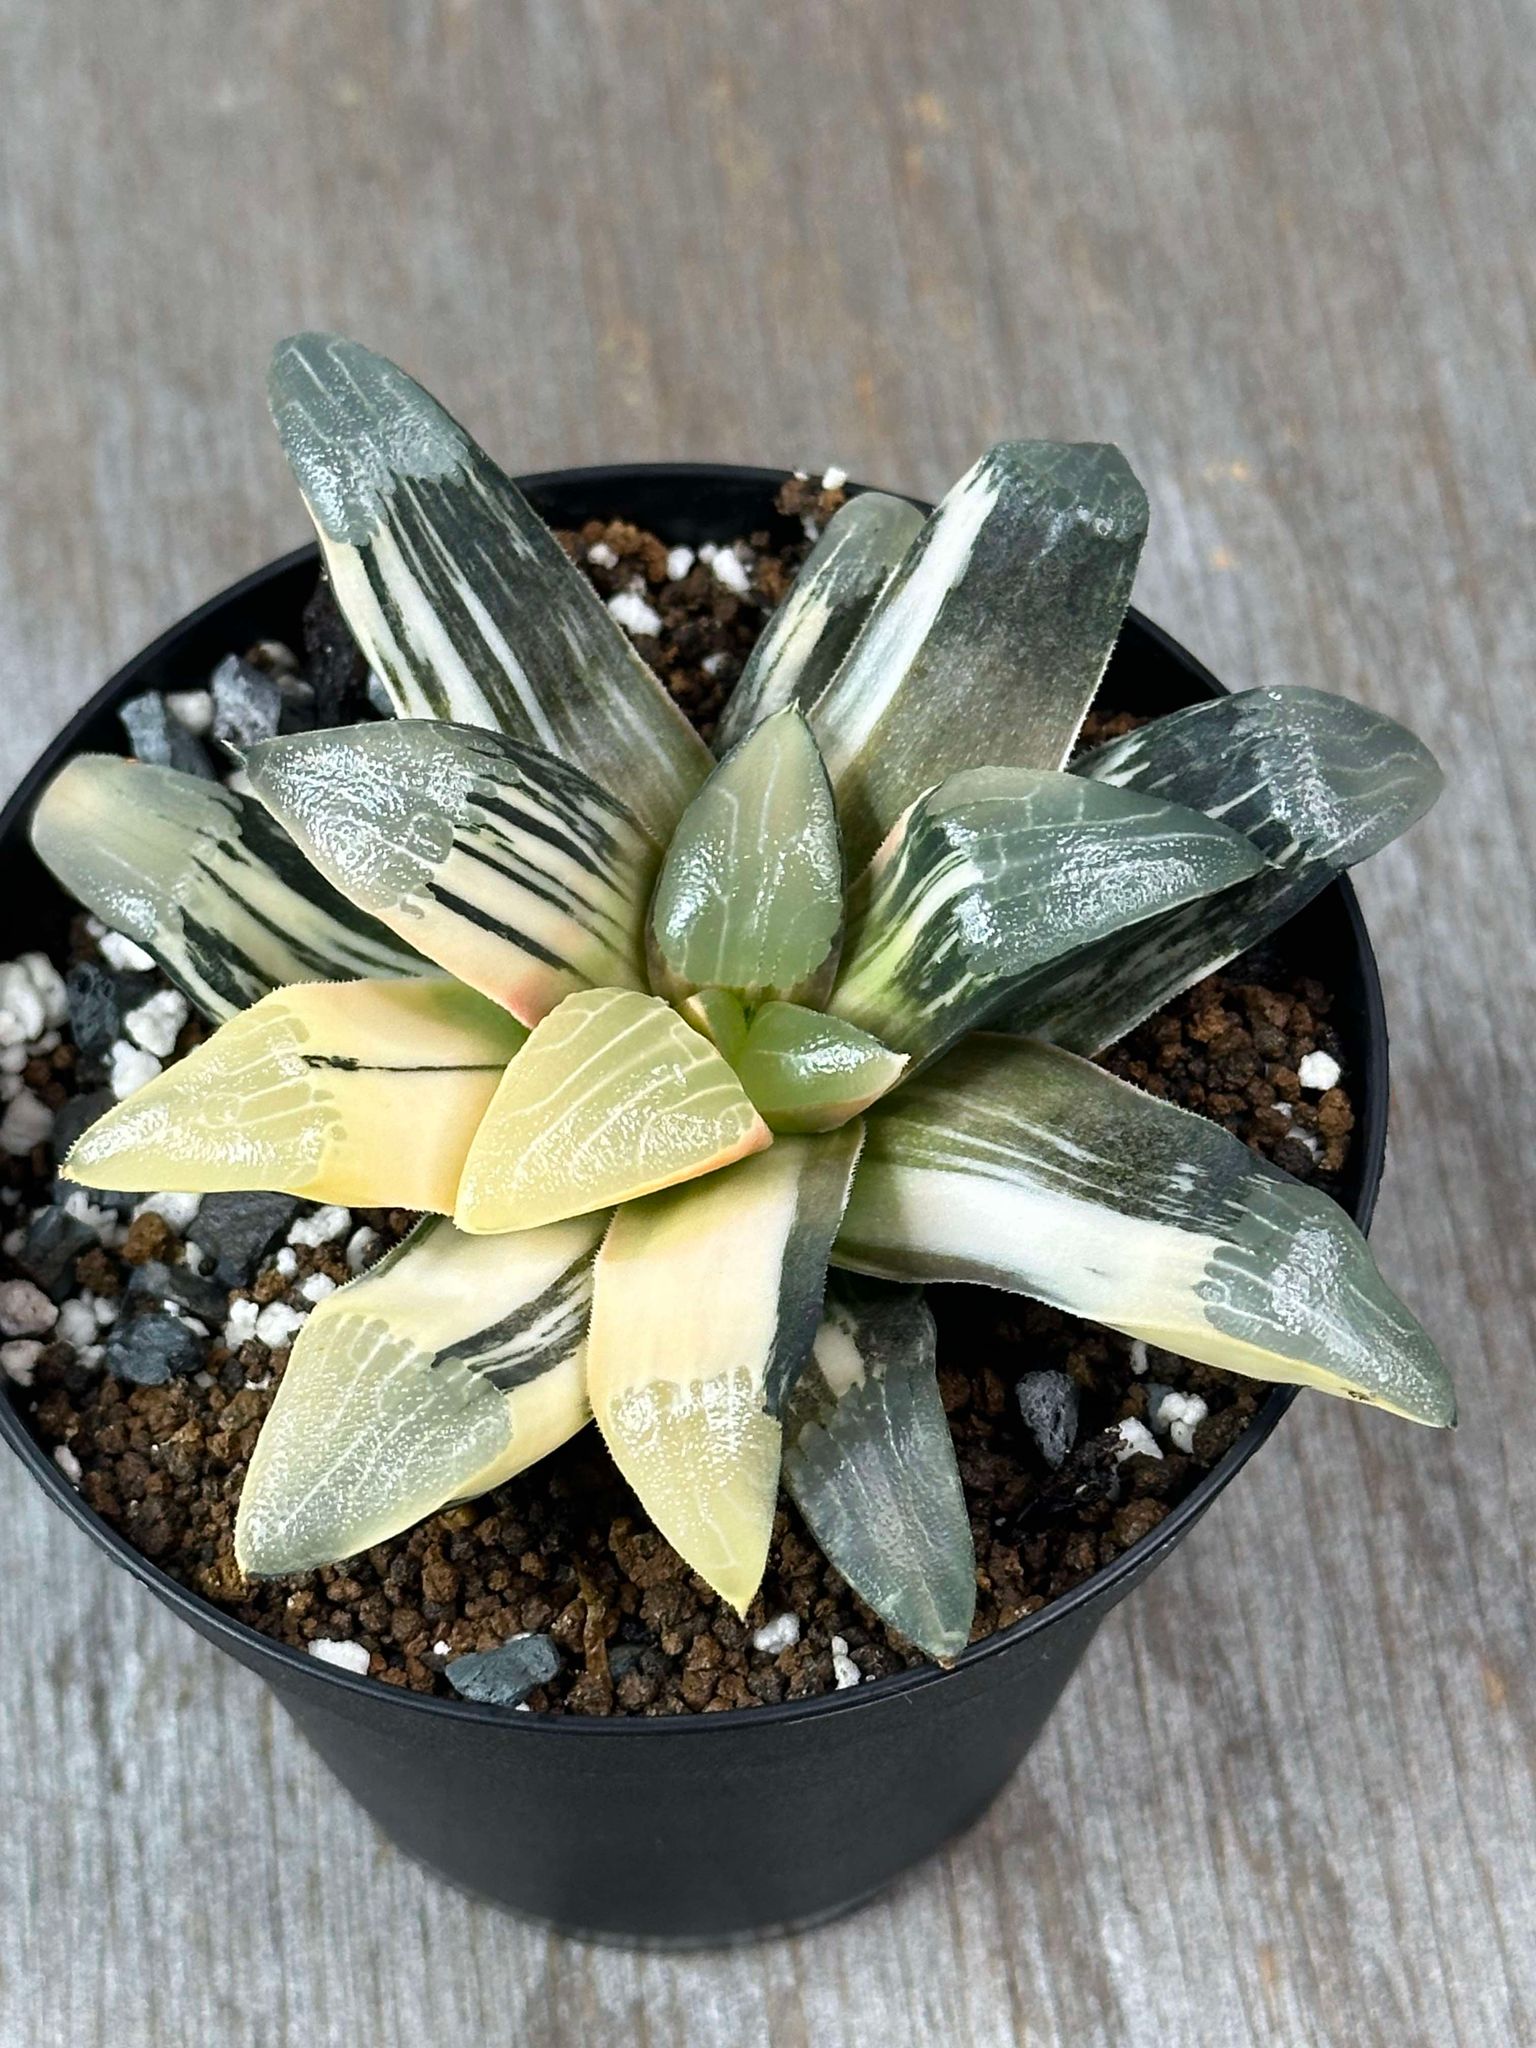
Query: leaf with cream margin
{"x": 706, "y": 1303}
{"x": 807, "y": 1071}
{"x": 750, "y": 896}
{"x": 455, "y": 1363}
{"x": 1000, "y": 869}
{"x": 508, "y": 867}
{"x": 365, "y": 1093}
{"x": 807, "y": 636}
{"x": 988, "y": 643}
{"x": 1314, "y": 781}
{"x": 1017, "y": 1165}
{"x": 612, "y": 1097}
{"x": 870, "y": 1463}
{"x": 721, "y": 1018}
{"x": 205, "y": 881}
{"x": 462, "y": 599}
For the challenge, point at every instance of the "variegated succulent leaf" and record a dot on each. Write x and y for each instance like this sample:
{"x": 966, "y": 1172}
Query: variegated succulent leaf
{"x": 987, "y": 645}
{"x": 453, "y": 1364}
{"x": 707, "y": 1300}
{"x": 613, "y": 1097}
{"x": 365, "y": 1093}
{"x": 721, "y": 1016}
{"x": 870, "y": 1463}
{"x": 750, "y": 895}
{"x": 206, "y": 882}
{"x": 808, "y": 635}
{"x": 1000, "y": 870}
{"x": 462, "y": 599}
{"x": 507, "y": 866}
{"x": 807, "y": 1071}
{"x": 1314, "y": 781}
{"x": 1017, "y": 1165}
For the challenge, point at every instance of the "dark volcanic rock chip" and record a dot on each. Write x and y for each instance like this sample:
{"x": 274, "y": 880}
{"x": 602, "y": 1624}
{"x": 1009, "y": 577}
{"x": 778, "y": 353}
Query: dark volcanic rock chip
{"x": 162, "y": 740}
{"x": 505, "y": 1677}
{"x": 239, "y": 1230}
{"x": 152, "y": 1349}
{"x": 247, "y": 705}
{"x": 1048, "y": 1408}
{"x": 197, "y": 1293}
{"x": 54, "y": 1241}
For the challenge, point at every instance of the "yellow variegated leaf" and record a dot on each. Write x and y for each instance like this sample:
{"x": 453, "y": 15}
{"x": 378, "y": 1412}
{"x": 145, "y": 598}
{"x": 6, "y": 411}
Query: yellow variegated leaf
{"x": 364, "y": 1092}
{"x": 612, "y": 1097}
{"x": 705, "y": 1307}
{"x": 453, "y": 1364}
{"x": 505, "y": 865}
{"x": 205, "y": 881}
{"x": 1016, "y": 1165}
{"x": 807, "y": 1071}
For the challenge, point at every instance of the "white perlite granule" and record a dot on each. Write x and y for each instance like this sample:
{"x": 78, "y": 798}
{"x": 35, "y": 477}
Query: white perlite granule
{"x": 345, "y": 1656}
{"x": 1176, "y": 1416}
{"x": 278, "y": 1325}
{"x": 67, "y": 1463}
{"x": 132, "y": 1068}
{"x": 782, "y": 1633}
{"x": 316, "y": 1286}
{"x": 26, "y": 1123}
{"x": 241, "y": 1326}
{"x": 844, "y": 1670}
{"x": 633, "y": 613}
{"x": 172, "y": 1207}
{"x": 25, "y": 1311}
{"x": 359, "y": 1245}
{"x": 1319, "y": 1070}
{"x": 124, "y": 955}
{"x": 679, "y": 562}
{"x": 726, "y": 569}
{"x": 324, "y": 1227}
{"x": 156, "y": 1023}
{"x": 31, "y": 999}
{"x": 833, "y": 479}
{"x": 287, "y": 1262}
{"x": 1136, "y": 1440}
{"x": 191, "y": 708}
{"x": 602, "y": 555}
{"x": 18, "y": 1359}
{"x": 1138, "y": 1356}
{"x": 77, "y": 1321}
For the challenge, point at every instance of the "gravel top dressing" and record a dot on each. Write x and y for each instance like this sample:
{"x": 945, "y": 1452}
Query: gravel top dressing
{"x": 145, "y": 1336}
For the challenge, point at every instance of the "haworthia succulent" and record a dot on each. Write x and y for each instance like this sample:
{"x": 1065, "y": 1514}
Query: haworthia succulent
{"x": 999, "y": 870}
{"x": 453, "y": 1364}
{"x": 750, "y": 896}
{"x": 807, "y": 637}
{"x": 989, "y": 641}
{"x": 508, "y": 867}
{"x": 206, "y": 882}
{"x": 1021, "y": 1166}
{"x": 807, "y": 1071}
{"x": 613, "y": 1096}
{"x": 721, "y": 1017}
{"x": 870, "y": 1463}
{"x": 1316, "y": 782}
{"x": 460, "y": 596}
{"x": 706, "y": 1304}
{"x": 363, "y": 1092}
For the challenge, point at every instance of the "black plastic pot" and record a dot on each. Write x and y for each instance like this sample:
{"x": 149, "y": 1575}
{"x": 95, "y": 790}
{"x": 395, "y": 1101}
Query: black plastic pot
{"x": 685, "y": 1830}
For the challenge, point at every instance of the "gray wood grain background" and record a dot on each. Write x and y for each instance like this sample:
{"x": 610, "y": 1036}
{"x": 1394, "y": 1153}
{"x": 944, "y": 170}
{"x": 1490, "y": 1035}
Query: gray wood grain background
{"x": 1282, "y": 251}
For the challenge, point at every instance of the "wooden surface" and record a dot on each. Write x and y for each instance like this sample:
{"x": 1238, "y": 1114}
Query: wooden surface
{"x": 1281, "y": 251}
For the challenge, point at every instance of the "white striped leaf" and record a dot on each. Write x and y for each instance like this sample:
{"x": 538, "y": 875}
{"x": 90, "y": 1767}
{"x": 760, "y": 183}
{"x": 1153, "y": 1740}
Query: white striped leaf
{"x": 1016, "y": 1165}
{"x": 870, "y": 1463}
{"x": 462, "y": 599}
{"x": 1001, "y": 869}
{"x": 205, "y": 881}
{"x": 506, "y": 866}
{"x": 365, "y": 1093}
{"x": 810, "y": 632}
{"x": 1316, "y": 782}
{"x": 455, "y": 1363}
{"x": 613, "y": 1096}
{"x": 750, "y": 896}
{"x": 807, "y": 1071}
{"x": 989, "y": 641}
{"x": 706, "y": 1304}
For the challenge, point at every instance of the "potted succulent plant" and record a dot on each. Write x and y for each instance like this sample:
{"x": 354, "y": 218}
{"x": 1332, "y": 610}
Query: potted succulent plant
{"x": 698, "y": 1066}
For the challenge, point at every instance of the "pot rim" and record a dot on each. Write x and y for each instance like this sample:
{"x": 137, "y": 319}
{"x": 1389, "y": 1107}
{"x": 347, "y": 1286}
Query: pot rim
{"x": 246, "y": 1642}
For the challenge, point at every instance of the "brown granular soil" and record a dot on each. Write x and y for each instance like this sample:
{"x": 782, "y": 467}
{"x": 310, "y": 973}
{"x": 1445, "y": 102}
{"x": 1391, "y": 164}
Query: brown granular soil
{"x": 565, "y": 1548}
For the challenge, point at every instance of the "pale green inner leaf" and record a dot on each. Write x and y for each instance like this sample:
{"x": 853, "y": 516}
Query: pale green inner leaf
{"x": 807, "y": 1071}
